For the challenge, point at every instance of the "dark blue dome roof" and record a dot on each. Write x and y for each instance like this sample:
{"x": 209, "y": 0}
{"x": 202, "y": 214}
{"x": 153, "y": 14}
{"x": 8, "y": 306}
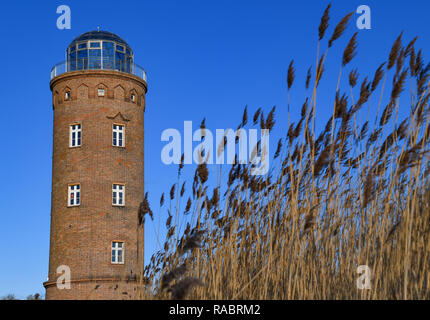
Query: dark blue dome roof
{"x": 99, "y": 35}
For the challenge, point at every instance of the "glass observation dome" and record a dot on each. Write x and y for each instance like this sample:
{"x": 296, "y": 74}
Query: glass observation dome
{"x": 99, "y": 50}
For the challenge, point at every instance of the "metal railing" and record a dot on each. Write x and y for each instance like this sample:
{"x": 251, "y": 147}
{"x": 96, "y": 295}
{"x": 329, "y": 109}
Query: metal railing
{"x": 98, "y": 64}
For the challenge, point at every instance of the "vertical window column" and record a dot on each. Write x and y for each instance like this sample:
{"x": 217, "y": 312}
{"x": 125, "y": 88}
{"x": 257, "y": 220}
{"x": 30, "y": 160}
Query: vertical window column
{"x": 118, "y": 194}
{"x": 117, "y": 252}
{"x": 75, "y": 135}
{"x": 74, "y": 195}
{"x": 118, "y": 136}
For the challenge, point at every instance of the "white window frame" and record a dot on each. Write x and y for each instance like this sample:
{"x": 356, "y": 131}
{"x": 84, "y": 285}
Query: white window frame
{"x": 118, "y": 194}
{"x": 118, "y": 129}
{"x": 75, "y": 135}
{"x": 117, "y": 252}
{"x": 74, "y": 192}
{"x": 101, "y": 92}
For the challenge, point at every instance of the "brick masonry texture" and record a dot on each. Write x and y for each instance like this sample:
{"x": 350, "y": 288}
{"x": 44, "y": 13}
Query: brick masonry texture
{"x": 81, "y": 236}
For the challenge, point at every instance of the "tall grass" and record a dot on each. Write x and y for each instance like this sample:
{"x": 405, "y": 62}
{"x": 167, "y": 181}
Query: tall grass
{"x": 356, "y": 193}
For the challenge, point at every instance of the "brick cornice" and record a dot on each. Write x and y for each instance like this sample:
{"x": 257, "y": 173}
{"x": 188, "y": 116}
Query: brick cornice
{"x": 84, "y": 74}
{"x": 47, "y": 284}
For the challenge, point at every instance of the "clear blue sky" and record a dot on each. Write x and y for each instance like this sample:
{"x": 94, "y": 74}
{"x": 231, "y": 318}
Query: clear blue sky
{"x": 203, "y": 58}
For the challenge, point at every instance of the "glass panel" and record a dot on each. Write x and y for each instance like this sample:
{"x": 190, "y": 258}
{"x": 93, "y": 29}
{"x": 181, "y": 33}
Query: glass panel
{"x": 120, "y": 48}
{"x": 128, "y": 65}
{"x": 119, "y": 244}
{"x": 95, "y": 45}
{"x": 119, "y": 61}
{"x": 95, "y": 59}
{"x": 82, "y": 59}
{"x": 72, "y": 61}
{"x": 108, "y": 55}
{"x": 82, "y": 46}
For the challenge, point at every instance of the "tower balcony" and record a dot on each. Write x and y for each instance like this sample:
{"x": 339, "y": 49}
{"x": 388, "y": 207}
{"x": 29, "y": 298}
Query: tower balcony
{"x": 97, "y": 63}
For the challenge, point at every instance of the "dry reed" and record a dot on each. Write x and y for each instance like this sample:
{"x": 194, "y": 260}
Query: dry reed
{"x": 357, "y": 195}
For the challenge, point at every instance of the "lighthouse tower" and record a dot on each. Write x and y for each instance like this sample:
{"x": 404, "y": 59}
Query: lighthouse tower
{"x": 96, "y": 244}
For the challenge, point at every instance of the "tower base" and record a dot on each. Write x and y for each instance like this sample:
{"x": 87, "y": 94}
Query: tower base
{"x": 95, "y": 289}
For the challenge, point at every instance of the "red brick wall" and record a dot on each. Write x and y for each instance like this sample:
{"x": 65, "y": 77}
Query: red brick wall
{"x": 81, "y": 236}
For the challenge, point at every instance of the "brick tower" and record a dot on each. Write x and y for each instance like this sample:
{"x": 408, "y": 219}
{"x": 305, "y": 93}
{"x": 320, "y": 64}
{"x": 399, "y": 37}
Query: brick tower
{"x": 97, "y": 170}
